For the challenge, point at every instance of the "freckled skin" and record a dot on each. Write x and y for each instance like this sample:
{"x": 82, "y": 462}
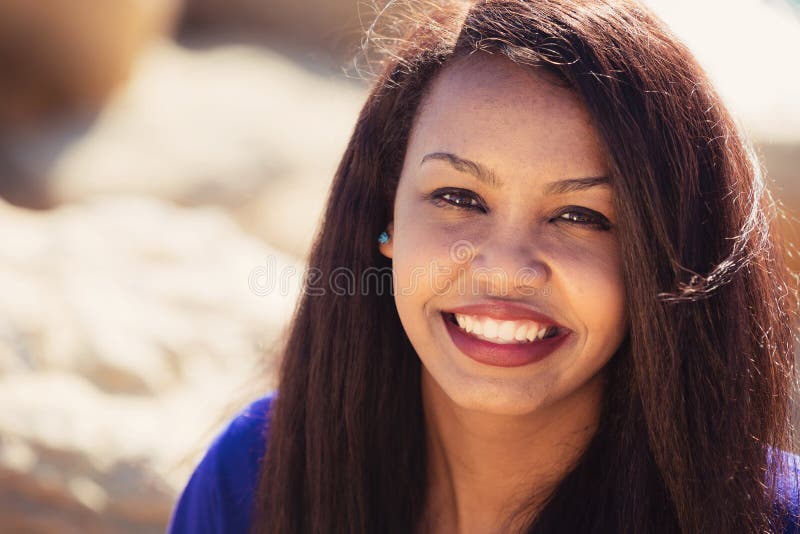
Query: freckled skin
{"x": 529, "y": 132}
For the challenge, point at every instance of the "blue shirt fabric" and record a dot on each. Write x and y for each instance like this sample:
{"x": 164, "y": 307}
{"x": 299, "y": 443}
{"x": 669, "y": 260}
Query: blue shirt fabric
{"x": 218, "y": 497}
{"x": 219, "y": 494}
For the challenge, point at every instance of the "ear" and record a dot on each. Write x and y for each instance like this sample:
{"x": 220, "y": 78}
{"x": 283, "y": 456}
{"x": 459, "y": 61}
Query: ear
{"x": 386, "y": 248}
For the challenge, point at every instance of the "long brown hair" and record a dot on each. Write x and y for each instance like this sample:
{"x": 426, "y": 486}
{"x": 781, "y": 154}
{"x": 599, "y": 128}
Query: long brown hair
{"x": 698, "y": 392}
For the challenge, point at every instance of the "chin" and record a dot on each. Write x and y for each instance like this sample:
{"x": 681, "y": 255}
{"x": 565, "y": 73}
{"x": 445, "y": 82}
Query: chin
{"x": 497, "y": 396}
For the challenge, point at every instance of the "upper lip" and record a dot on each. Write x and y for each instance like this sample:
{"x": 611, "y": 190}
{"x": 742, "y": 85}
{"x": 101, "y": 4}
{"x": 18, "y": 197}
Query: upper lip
{"x": 508, "y": 311}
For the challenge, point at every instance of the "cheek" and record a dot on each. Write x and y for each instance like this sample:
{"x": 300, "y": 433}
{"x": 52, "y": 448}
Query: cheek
{"x": 596, "y": 273}
{"x": 422, "y": 267}
{"x": 420, "y": 253}
{"x": 596, "y": 291}
{"x": 427, "y": 252}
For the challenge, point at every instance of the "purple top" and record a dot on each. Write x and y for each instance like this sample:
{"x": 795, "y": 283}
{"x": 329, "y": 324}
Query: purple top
{"x": 219, "y": 494}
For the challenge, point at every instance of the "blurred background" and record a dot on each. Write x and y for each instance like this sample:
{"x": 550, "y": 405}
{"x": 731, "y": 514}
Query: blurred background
{"x": 156, "y": 158}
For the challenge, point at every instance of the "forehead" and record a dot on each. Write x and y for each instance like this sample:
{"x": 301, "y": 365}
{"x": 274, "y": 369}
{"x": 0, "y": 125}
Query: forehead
{"x": 489, "y": 108}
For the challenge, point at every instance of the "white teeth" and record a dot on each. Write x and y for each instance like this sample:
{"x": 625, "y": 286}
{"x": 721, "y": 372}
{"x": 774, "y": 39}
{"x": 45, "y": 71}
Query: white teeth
{"x": 501, "y": 330}
{"x": 533, "y": 330}
{"x": 506, "y": 330}
{"x": 522, "y": 330}
{"x": 489, "y": 328}
{"x": 477, "y": 327}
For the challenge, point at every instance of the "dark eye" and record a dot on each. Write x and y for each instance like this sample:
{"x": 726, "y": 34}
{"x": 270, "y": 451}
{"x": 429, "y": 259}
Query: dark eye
{"x": 584, "y": 217}
{"x": 456, "y": 198}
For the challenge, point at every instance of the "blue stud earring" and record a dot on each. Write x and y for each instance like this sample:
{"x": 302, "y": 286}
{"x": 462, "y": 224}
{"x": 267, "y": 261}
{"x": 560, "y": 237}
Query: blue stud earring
{"x": 383, "y": 238}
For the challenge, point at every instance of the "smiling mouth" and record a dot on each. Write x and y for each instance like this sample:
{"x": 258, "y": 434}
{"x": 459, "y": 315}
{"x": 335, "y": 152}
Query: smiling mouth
{"x": 515, "y": 334}
{"x": 500, "y": 348}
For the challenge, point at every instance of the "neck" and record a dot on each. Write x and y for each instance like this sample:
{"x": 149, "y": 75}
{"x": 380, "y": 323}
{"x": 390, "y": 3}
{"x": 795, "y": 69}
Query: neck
{"x": 482, "y": 466}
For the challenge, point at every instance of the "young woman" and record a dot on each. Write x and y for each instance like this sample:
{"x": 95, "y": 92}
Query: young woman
{"x": 589, "y": 328}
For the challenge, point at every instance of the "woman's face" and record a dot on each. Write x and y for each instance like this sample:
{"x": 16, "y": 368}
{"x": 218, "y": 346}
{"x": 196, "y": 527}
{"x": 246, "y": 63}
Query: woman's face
{"x": 479, "y": 220}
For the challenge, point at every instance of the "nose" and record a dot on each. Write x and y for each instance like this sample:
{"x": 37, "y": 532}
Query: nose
{"x": 508, "y": 263}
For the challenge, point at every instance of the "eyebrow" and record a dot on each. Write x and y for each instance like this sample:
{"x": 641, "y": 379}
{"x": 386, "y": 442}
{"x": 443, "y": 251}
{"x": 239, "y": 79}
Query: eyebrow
{"x": 575, "y": 184}
{"x": 464, "y": 165}
{"x": 486, "y": 176}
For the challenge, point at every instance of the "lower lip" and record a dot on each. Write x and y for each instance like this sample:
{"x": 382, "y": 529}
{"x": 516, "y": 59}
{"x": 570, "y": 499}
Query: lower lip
{"x": 503, "y": 355}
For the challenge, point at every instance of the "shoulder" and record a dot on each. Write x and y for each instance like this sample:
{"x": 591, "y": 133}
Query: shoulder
{"x": 787, "y": 470}
{"x": 219, "y": 494}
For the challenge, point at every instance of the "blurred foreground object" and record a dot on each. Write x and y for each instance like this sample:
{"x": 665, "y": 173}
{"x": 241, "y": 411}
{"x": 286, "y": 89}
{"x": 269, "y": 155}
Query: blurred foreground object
{"x": 61, "y": 56}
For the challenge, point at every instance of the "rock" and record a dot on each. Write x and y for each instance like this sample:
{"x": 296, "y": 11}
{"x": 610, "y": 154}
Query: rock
{"x": 239, "y": 127}
{"x": 131, "y": 330}
{"x": 330, "y": 27}
{"x": 60, "y": 57}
